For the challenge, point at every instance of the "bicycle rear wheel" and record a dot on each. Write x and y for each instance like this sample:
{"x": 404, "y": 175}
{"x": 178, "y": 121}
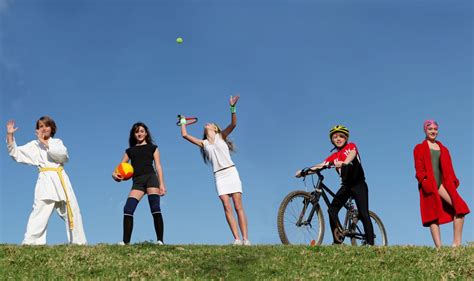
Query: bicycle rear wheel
{"x": 379, "y": 232}
{"x": 295, "y": 226}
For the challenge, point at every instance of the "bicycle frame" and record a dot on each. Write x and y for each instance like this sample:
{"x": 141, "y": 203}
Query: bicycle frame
{"x": 320, "y": 189}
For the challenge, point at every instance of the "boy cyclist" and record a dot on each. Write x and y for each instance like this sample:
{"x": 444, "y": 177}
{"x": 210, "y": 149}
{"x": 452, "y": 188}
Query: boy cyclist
{"x": 346, "y": 160}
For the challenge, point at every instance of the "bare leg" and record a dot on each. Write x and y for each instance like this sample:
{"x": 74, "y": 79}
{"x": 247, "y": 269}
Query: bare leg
{"x": 435, "y": 233}
{"x": 239, "y": 209}
{"x": 225, "y": 199}
{"x": 458, "y": 225}
{"x": 137, "y": 194}
{"x": 458, "y": 220}
{"x": 445, "y": 195}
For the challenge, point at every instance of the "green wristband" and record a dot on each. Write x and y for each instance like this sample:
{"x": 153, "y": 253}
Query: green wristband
{"x": 232, "y": 109}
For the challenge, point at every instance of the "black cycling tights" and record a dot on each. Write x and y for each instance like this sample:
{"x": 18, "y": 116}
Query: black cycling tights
{"x": 360, "y": 193}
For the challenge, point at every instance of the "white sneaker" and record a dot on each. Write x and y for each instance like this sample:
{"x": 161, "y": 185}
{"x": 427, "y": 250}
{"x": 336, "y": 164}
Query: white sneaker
{"x": 246, "y": 242}
{"x": 237, "y": 242}
{"x": 121, "y": 243}
{"x": 159, "y": 242}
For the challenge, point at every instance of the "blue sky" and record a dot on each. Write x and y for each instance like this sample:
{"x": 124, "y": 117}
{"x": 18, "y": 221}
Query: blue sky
{"x": 379, "y": 67}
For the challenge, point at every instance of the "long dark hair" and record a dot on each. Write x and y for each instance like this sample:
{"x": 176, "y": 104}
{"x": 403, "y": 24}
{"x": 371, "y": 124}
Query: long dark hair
{"x": 132, "y": 141}
{"x": 230, "y": 144}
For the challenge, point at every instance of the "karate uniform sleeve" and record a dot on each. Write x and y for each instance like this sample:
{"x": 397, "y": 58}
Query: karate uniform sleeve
{"x": 57, "y": 151}
{"x": 26, "y": 154}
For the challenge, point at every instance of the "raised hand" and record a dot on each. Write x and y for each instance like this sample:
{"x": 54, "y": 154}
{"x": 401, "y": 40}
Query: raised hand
{"x": 233, "y": 100}
{"x": 11, "y": 127}
{"x": 39, "y": 134}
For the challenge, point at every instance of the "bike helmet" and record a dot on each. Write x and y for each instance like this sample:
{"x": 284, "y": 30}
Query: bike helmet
{"x": 338, "y": 129}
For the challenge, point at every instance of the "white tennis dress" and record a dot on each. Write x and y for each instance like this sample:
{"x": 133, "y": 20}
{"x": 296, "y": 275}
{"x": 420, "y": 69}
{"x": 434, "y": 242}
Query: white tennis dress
{"x": 225, "y": 173}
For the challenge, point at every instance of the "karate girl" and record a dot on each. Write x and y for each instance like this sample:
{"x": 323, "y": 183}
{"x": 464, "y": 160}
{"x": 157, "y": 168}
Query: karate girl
{"x": 215, "y": 148}
{"x": 53, "y": 189}
{"x": 143, "y": 153}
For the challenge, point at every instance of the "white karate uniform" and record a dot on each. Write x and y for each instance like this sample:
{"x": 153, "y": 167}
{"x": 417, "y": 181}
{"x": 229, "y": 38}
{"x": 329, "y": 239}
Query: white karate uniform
{"x": 49, "y": 192}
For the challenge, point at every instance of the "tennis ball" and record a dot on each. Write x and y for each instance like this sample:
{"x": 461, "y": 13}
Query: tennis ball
{"x": 179, "y": 40}
{"x": 125, "y": 170}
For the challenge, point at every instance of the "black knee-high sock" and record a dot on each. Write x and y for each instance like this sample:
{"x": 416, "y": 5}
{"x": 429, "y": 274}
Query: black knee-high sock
{"x": 127, "y": 228}
{"x": 159, "y": 226}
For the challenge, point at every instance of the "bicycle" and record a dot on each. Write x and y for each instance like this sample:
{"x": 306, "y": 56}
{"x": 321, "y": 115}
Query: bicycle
{"x": 301, "y": 221}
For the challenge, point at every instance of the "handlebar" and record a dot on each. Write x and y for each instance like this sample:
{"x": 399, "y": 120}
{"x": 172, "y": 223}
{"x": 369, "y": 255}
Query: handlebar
{"x": 308, "y": 171}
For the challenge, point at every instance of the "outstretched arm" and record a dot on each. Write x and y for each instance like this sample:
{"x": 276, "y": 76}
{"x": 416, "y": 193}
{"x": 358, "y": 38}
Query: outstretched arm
{"x": 191, "y": 139}
{"x": 233, "y": 122}
{"x": 311, "y": 169}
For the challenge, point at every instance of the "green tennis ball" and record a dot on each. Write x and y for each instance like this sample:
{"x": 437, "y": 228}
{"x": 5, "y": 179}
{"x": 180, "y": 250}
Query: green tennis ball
{"x": 179, "y": 40}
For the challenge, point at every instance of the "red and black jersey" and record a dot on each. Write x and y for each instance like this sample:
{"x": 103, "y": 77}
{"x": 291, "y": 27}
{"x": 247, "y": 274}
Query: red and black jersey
{"x": 352, "y": 173}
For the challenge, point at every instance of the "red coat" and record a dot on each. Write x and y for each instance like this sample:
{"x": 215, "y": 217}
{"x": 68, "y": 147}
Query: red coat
{"x": 433, "y": 208}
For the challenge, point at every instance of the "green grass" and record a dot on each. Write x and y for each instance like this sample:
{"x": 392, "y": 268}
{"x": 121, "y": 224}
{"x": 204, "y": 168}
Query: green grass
{"x": 148, "y": 261}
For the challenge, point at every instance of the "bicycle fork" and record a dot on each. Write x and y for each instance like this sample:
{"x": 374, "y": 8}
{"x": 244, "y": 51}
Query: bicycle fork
{"x": 313, "y": 200}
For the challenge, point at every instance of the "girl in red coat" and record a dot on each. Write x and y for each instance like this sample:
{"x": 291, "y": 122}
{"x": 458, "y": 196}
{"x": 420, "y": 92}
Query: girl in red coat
{"x": 439, "y": 200}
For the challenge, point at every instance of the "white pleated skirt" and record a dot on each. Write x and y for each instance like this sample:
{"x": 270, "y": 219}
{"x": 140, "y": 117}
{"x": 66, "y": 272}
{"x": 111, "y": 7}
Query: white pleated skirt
{"x": 228, "y": 181}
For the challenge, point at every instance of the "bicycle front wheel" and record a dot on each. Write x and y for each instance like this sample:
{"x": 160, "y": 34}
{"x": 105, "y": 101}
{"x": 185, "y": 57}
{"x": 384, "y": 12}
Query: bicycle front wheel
{"x": 299, "y": 221}
{"x": 380, "y": 234}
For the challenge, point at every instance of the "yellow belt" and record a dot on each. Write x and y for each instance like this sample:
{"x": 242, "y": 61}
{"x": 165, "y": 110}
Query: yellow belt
{"x": 63, "y": 184}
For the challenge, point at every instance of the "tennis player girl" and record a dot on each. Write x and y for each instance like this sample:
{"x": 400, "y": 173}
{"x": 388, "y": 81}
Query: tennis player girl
{"x": 215, "y": 149}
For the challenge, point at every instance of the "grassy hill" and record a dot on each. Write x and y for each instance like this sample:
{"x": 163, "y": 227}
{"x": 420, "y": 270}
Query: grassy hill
{"x": 235, "y": 262}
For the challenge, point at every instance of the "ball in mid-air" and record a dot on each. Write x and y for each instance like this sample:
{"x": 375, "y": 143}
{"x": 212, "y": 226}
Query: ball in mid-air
{"x": 125, "y": 170}
{"x": 179, "y": 40}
